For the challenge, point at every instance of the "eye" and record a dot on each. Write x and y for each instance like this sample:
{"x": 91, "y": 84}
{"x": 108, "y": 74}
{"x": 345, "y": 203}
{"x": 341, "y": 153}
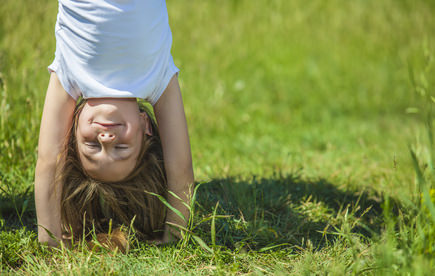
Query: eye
{"x": 122, "y": 147}
{"x": 92, "y": 145}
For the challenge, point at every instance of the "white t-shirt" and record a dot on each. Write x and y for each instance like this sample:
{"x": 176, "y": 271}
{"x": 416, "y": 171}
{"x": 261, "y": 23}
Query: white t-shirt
{"x": 113, "y": 48}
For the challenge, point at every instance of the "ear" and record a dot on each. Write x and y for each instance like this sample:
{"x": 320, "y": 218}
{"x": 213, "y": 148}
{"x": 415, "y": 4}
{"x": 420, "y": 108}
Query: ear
{"x": 146, "y": 124}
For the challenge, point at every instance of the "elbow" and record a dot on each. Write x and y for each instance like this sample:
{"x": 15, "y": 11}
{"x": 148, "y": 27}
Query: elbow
{"x": 44, "y": 165}
{"x": 47, "y": 159}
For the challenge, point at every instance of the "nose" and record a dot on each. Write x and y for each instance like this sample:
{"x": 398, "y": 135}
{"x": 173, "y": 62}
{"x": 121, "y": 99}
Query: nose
{"x": 106, "y": 137}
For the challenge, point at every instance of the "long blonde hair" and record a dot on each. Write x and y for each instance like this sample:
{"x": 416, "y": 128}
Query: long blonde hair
{"x": 88, "y": 204}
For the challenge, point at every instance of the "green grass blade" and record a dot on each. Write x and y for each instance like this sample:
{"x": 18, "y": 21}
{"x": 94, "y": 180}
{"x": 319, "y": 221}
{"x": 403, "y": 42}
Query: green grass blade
{"x": 50, "y": 234}
{"x": 417, "y": 169}
{"x": 175, "y": 195}
{"x": 164, "y": 201}
{"x": 179, "y": 198}
{"x": 179, "y": 227}
{"x": 211, "y": 217}
{"x": 429, "y": 129}
{"x": 271, "y": 247}
{"x": 202, "y": 243}
{"x": 428, "y": 202}
{"x": 213, "y": 226}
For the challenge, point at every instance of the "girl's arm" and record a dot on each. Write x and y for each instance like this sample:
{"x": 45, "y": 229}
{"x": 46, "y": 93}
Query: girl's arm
{"x": 55, "y": 124}
{"x": 171, "y": 119}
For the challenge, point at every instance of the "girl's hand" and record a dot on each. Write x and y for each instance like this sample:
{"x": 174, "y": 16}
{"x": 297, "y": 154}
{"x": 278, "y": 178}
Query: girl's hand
{"x": 157, "y": 242}
{"x": 167, "y": 238}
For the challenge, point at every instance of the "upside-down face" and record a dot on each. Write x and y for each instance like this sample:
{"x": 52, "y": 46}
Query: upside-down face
{"x": 109, "y": 137}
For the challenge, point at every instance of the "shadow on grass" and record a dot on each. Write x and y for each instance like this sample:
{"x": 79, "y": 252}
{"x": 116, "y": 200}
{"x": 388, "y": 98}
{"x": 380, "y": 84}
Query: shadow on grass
{"x": 285, "y": 210}
{"x": 18, "y": 211}
{"x": 263, "y": 212}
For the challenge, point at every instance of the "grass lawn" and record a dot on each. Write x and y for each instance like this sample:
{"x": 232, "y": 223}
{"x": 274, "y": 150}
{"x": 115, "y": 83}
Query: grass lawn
{"x": 304, "y": 118}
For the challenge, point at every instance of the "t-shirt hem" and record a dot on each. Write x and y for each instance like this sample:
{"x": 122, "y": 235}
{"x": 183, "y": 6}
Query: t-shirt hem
{"x": 164, "y": 84}
{"x": 54, "y": 68}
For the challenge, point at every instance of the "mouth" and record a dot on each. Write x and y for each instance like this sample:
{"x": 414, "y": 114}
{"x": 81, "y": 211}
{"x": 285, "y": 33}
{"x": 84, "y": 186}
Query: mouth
{"x": 108, "y": 124}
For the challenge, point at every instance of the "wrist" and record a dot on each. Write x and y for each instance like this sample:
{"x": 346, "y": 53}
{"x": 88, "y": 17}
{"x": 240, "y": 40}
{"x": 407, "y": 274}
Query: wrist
{"x": 170, "y": 234}
{"x": 47, "y": 240}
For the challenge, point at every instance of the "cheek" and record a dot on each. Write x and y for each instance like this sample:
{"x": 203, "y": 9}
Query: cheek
{"x": 84, "y": 131}
{"x": 85, "y": 113}
{"x": 134, "y": 135}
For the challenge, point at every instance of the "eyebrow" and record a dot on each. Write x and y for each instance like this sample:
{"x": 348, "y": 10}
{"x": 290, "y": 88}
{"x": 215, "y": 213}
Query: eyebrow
{"x": 92, "y": 160}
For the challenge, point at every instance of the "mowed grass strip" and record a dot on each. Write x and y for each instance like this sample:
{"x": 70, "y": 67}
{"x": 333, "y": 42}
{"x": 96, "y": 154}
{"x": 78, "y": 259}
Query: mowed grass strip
{"x": 298, "y": 120}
